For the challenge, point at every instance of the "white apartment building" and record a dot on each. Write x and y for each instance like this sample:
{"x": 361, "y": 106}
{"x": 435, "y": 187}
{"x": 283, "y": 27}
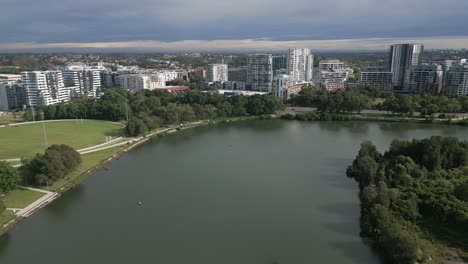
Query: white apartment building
{"x": 84, "y": 80}
{"x": 217, "y": 73}
{"x": 141, "y": 81}
{"x": 281, "y": 83}
{"x": 300, "y": 65}
{"x": 260, "y": 72}
{"x": 45, "y": 87}
{"x": 170, "y": 75}
{"x": 331, "y": 65}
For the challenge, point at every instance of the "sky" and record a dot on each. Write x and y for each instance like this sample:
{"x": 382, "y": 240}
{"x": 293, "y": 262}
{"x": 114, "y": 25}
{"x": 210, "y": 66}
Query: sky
{"x": 201, "y": 25}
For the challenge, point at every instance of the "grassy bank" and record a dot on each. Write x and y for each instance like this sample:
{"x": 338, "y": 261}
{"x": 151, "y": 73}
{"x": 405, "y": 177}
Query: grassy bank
{"x": 87, "y": 167}
{"x": 21, "y": 198}
{"x": 29, "y": 139}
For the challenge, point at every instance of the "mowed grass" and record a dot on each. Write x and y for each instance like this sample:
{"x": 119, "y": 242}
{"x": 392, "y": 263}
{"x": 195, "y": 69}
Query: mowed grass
{"x": 21, "y": 198}
{"x": 6, "y": 216}
{"x": 18, "y": 141}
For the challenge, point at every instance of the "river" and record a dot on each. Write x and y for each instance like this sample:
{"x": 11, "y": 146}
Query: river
{"x": 253, "y": 192}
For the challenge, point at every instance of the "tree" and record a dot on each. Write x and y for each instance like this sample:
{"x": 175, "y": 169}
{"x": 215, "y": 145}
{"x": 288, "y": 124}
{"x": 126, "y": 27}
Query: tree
{"x": 54, "y": 164}
{"x": 9, "y": 177}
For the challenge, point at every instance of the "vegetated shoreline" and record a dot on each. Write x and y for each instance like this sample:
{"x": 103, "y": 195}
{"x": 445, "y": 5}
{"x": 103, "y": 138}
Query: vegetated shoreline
{"x": 72, "y": 183}
{"x": 318, "y": 116}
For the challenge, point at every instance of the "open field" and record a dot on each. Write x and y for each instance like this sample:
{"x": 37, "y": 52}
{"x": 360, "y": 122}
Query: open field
{"x": 27, "y": 140}
{"x": 20, "y": 198}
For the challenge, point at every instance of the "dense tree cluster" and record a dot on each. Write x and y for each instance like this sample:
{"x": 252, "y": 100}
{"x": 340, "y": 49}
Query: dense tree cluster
{"x": 422, "y": 181}
{"x": 426, "y": 105}
{"x": 151, "y": 109}
{"x": 9, "y": 177}
{"x": 355, "y": 100}
{"x": 347, "y": 101}
{"x": 54, "y": 164}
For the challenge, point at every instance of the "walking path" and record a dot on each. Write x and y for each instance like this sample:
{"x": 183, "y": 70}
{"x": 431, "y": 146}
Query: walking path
{"x": 39, "y": 203}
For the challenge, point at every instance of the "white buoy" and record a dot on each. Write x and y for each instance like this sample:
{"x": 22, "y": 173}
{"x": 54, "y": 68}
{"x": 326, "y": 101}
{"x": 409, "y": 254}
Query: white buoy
{"x": 140, "y": 203}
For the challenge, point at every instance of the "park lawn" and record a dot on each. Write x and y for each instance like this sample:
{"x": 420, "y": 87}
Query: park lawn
{"x": 88, "y": 162}
{"x": 27, "y": 140}
{"x": 21, "y": 198}
{"x": 5, "y": 216}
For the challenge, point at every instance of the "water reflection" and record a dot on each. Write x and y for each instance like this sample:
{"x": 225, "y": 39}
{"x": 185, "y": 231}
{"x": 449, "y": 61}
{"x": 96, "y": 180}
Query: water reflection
{"x": 354, "y": 128}
{"x": 4, "y": 239}
{"x": 62, "y": 208}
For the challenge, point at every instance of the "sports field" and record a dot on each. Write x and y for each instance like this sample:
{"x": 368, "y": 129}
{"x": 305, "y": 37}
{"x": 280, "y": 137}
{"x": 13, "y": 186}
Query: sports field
{"x": 18, "y": 141}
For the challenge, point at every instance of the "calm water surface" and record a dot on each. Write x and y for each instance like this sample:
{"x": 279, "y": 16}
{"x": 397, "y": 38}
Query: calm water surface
{"x": 255, "y": 192}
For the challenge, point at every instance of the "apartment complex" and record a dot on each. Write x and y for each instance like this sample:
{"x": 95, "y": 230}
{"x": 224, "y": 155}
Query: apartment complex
{"x": 237, "y": 74}
{"x": 217, "y": 73}
{"x": 141, "y": 81}
{"x": 456, "y": 80}
{"x": 45, "y": 87}
{"x": 281, "y": 84}
{"x": 280, "y": 62}
{"x": 260, "y": 72}
{"x": 331, "y": 65}
{"x": 300, "y": 65}
{"x": 85, "y": 81}
{"x": 12, "y": 95}
{"x": 424, "y": 79}
{"x": 377, "y": 77}
{"x": 402, "y": 57}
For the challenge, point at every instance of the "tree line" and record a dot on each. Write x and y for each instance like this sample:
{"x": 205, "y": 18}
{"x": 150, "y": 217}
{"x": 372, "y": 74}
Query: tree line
{"x": 357, "y": 99}
{"x": 413, "y": 189}
{"x": 147, "y": 110}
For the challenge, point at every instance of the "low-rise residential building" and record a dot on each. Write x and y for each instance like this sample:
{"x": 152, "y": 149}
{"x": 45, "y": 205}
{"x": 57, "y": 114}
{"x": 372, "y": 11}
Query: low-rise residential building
{"x": 331, "y": 65}
{"x": 292, "y": 90}
{"x": 141, "y": 81}
{"x": 281, "y": 83}
{"x": 334, "y": 84}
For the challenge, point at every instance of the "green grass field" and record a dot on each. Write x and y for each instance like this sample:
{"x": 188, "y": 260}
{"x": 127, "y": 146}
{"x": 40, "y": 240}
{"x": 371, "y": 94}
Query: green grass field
{"x": 21, "y": 198}
{"x": 28, "y": 140}
{"x": 5, "y": 216}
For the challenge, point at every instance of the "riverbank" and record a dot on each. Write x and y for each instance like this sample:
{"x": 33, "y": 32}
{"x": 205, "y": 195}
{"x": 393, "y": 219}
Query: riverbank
{"x": 314, "y": 115}
{"x": 94, "y": 162}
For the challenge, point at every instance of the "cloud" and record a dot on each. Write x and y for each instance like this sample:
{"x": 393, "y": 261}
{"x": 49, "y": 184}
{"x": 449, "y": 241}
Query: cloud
{"x": 245, "y": 45}
{"x": 174, "y": 20}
